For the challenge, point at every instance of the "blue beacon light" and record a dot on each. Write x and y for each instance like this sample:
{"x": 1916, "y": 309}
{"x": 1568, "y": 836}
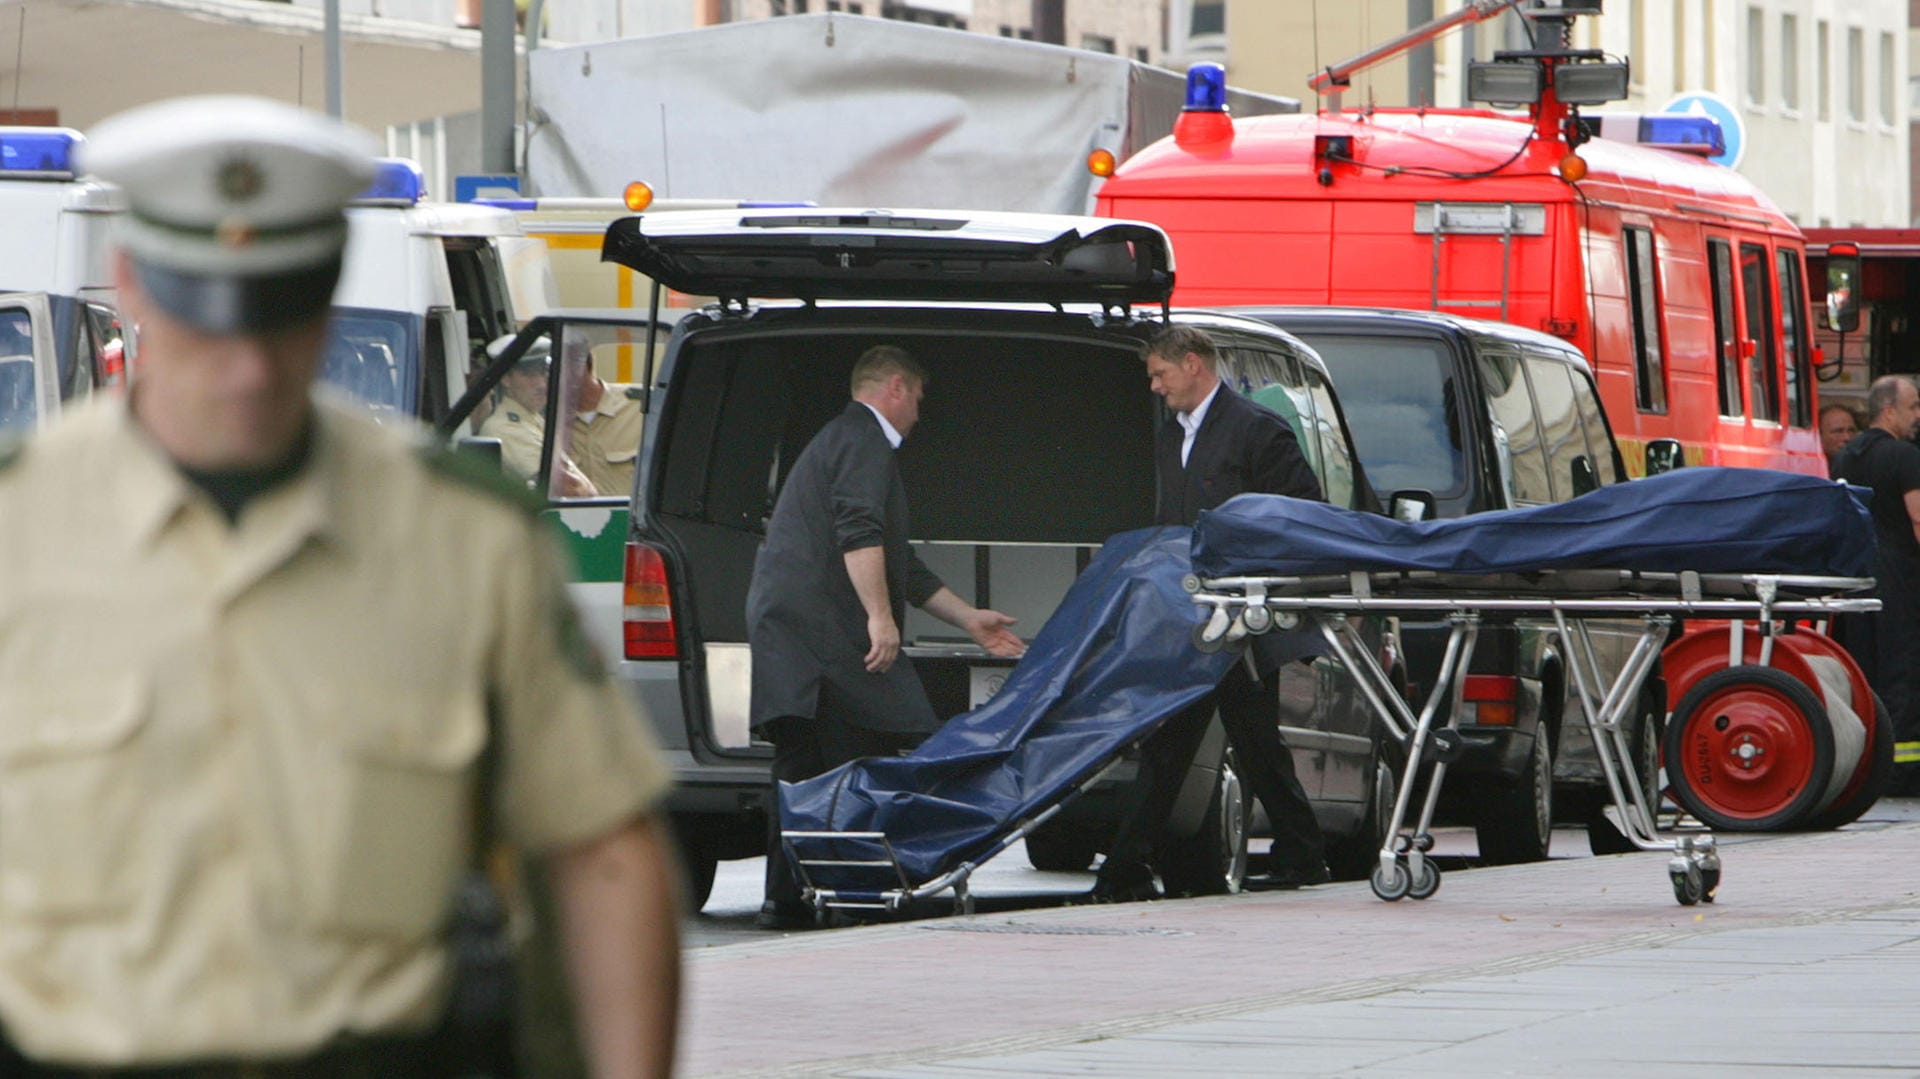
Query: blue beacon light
{"x": 395, "y": 179}
{"x": 41, "y": 150}
{"x": 1207, "y": 88}
{"x": 1691, "y": 131}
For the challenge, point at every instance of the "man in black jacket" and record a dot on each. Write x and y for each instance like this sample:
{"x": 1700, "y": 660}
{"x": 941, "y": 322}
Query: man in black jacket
{"x": 1218, "y": 444}
{"x": 829, "y": 594}
{"x": 1882, "y": 458}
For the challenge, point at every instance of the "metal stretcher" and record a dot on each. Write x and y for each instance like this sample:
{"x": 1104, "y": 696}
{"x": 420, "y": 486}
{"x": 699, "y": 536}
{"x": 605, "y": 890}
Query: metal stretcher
{"x": 1237, "y": 606}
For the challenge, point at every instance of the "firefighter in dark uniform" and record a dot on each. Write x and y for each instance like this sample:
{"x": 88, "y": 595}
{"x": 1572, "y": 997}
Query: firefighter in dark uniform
{"x": 1884, "y": 459}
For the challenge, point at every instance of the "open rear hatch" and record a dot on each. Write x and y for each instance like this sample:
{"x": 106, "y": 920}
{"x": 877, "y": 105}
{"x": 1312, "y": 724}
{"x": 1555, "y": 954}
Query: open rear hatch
{"x": 897, "y": 255}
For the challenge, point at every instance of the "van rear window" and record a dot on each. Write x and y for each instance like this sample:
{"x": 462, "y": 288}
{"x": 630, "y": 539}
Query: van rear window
{"x": 1020, "y": 440}
{"x": 1403, "y": 407}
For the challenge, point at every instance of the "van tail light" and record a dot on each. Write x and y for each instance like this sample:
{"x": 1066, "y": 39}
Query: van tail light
{"x": 646, "y": 606}
{"x": 1489, "y": 700}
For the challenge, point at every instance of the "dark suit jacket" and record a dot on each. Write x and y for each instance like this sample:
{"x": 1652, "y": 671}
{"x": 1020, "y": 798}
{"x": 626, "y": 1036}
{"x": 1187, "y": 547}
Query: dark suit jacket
{"x": 1241, "y": 448}
{"x": 805, "y": 623}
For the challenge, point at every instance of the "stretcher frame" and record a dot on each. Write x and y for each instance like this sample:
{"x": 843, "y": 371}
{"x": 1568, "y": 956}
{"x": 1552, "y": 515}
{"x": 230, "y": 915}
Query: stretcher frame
{"x": 1251, "y": 605}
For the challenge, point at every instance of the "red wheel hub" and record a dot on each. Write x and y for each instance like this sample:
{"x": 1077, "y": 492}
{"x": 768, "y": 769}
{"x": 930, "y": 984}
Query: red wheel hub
{"x": 1747, "y": 750}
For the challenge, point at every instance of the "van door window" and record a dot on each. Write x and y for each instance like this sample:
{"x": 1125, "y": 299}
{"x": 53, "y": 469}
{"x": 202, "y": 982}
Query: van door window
{"x": 479, "y": 289}
{"x": 19, "y": 393}
{"x": 1594, "y": 422}
{"x": 1756, "y": 296}
{"x": 369, "y": 354}
{"x": 594, "y": 439}
{"x": 1726, "y": 349}
{"x": 1793, "y": 312}
{"x": 1643, "y": 296}
{"x": 1277, "y": 387}
{"x": 1330, "y": 440}
{"x": 1560, "y": 426}
{"x": 1516, "y": 430}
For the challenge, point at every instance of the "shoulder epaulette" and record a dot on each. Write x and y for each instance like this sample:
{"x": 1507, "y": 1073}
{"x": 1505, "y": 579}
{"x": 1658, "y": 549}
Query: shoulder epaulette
{"x": 476, "y": 473}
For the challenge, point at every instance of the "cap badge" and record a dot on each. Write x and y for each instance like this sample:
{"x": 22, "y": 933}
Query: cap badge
{"x": 240, "y": 180}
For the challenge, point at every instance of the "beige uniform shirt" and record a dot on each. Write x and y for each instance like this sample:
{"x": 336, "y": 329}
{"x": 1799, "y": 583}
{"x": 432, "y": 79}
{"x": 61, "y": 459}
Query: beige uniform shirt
{"x": 605, "y": 443}
{"x": 237, "y": 765}
{"x": 520, "y": 431}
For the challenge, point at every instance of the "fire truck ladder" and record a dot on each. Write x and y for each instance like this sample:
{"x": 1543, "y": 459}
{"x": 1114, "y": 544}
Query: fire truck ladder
{"x": 1503, "y": 219}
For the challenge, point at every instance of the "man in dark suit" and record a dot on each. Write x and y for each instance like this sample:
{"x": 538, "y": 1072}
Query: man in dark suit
{"x": 1218, "y": 444}
{"x": 829, "y": 594}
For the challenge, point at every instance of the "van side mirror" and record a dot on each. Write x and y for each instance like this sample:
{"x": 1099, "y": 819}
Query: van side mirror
{"x": 1584, "y": 477}
{"x": 1412, "y": 504}
{"x": 1664, "y": 455}
{"x": 1843, "y": 287}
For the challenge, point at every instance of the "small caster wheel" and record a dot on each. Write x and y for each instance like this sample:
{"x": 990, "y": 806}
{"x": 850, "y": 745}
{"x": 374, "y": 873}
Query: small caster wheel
{"x": 1426, "y": 880}
{"x": 1258, "y": 619}
{"x": 1424, "y": 842}
{"x": 1391, "y": 885}
{"x": 1687, "y": 885}
{"x": 963, "y": 904}
{"x": 1402, "y": 844}
{"x": 1191, "y": 582}
{"x": 1709, "y": 883}
{"x": 1205, "y": 642}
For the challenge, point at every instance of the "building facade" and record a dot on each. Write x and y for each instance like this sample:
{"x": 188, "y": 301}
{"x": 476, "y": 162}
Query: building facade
{"x": 1821, "y": 86}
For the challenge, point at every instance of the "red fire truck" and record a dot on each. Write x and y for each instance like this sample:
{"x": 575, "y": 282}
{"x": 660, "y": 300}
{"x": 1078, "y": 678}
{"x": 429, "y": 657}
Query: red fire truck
{"x": 1681, "y": 281}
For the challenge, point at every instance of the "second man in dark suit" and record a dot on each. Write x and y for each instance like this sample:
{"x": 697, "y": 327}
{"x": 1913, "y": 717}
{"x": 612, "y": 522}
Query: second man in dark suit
{"x": 1218, "y": 444}
{"x": 829, "y": 595}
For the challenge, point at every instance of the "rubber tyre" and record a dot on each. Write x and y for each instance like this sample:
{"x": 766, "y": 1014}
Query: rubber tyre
{"x": 1391, "y": 885}
{"x": 1214, "y": 862}
{"x": 1782, "y": 714}
{"x": 697, "y": 869}
{"x": 1354, "y": 857}
{"x": 1850, "y": 806}
{"x": 1514, "y": 818}
{"x": 1602, "y": 836}
{"x": 1055, "y": 848}
{"x": 1425, "y": 882}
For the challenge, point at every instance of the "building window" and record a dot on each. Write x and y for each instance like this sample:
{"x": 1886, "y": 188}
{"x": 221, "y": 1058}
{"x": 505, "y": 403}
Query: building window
{"x": 1140, "y": 54}
{"x": 1790, "y": 61}
{"x": 1679, "y": 44}
{"x": 1209, "y": 17}
{"x": 1856, "y": 74}
{"x": 1886, "y": 78}
{"x": 1096, "y": 43}
{"x": 1756, "y": 56}
{"x": 1823, "y": 70}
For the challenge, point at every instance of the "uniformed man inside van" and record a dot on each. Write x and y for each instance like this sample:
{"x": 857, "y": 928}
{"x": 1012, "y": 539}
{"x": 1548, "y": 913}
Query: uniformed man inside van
{"x": 604, "y": 437}
{"x": 256, "y": 653}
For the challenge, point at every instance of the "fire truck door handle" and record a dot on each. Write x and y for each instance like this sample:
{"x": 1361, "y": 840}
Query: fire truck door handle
{"x": 1746, "y": 350}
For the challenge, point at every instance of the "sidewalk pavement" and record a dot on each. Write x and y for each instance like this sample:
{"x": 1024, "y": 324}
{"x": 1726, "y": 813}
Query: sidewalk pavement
{"x": 1580, "y": 966}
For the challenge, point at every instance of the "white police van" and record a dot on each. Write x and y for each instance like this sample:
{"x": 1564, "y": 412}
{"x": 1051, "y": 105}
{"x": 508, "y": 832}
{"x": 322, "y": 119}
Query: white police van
{"x": 425, "y": 286}
{"x": 60, "y": 336}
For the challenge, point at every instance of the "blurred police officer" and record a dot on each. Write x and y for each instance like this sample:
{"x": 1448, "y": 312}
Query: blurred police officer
{"x": 254, "y": 654}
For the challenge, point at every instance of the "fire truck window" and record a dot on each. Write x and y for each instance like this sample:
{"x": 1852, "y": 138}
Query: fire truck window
{"x": 1560, "y": 424}
{"x": 1593, "y": 421}
{"x": 1516, "y": 430}
{"x": 1756, "y": 292}
{"x": 1403, "y": 408}
{"x": 1649, "y": 348}
{"x": 1726, "y": 351}
{"x": 1336, "y": 478}
{"x": 1793, "y": 314}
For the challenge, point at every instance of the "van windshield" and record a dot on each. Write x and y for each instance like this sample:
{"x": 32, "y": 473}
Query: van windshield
{"x": 1403, "y": 407}
{"x": 371, "y": 355}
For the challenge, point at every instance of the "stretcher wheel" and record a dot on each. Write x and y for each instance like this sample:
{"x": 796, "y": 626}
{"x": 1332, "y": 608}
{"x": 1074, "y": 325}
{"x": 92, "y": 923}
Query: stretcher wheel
{"x": 1391, "y": 884}
{"x": 1749, "y": 748}
{"x": 1426, "y": 880}
{"x": 1709, "y": 884}
{"x": 1688, "y": 886}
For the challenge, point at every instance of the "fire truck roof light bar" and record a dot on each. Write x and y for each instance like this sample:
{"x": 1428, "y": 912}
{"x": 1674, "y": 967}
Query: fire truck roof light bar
{"x": 1207, "y": 88}
{"x": 38, "y": 152}
{"x": 1689, "y": 134}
